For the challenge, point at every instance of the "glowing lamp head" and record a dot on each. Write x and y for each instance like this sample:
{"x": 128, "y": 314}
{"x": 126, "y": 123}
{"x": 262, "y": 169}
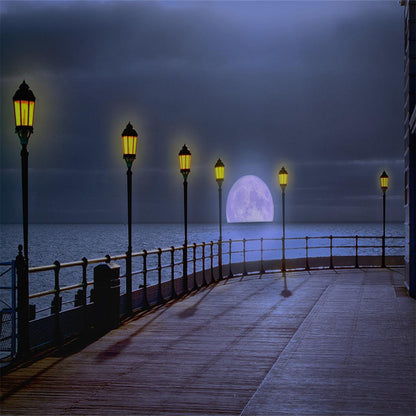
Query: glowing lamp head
{"x": 129, "y": 139}
{"x": 384, "y": 181}
{"x": 219, "y": 172}
{"x": 185, "y": 161}
{"x": 283, "y": 178}
{"x": 24, "y": 110}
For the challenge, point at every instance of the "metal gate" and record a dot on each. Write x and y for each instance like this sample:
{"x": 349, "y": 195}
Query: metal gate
{"x": 7, "y": 309}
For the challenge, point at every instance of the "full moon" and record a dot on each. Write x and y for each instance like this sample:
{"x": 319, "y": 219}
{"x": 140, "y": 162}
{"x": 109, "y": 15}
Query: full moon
{"x": 249, "y": 200}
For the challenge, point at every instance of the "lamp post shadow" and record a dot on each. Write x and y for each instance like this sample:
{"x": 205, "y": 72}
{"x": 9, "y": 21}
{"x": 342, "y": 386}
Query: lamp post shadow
{"x": 285, "y": 292}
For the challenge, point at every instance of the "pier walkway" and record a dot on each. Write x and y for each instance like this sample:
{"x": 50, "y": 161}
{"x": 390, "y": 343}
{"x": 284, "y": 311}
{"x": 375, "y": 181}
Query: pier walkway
{"x": 324, "y": 342}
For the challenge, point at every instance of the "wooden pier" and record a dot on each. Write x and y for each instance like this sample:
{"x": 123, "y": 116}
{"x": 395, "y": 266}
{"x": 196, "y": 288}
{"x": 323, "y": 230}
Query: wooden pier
{"x": 329, "y": 342}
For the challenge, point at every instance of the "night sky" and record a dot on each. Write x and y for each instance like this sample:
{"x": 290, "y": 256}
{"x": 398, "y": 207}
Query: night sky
{"x": 314, "y": 86}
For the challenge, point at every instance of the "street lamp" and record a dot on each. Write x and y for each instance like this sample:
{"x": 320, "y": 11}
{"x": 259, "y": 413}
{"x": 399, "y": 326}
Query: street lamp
{"x": 129, "y": 141}
{"x": 24, "y": 109}
{"x": 283, "y": 183}
{"x": 185, "y": 168}
{"x": 384, "y": 184}
{"x": 219, "y": 177}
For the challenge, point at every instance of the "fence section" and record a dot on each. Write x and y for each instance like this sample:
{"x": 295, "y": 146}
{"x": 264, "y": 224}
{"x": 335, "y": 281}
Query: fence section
{"x": 8, "y": 309}
{"x": 67, "y": 285}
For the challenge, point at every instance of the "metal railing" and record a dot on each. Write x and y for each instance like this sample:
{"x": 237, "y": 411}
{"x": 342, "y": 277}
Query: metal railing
{"x": 65, "y": 306}
{"x": 162, "y": 269}
{"x": 8, "y": 309}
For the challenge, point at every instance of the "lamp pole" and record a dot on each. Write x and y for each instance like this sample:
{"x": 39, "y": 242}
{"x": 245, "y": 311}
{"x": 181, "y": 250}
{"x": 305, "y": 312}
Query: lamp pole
{"x": 24, "y": 108}
{"x": 384, "y": 184}
{"x": 283, "y": 183}
{"x": 185, "y": 168}
{"x": 219, "y": 176}
{"x": 129, "y": 141}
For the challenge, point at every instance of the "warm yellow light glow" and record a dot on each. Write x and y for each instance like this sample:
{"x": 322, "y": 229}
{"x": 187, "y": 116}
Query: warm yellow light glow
{"x": 17, "y": 113}
{"x": 129, "y": 140}
{"x": 24, "y": 106}
{"x": 31, "y": 112}
{"x": 219, "y": 170}
{"x": 283, "y": 177}
{"x": 129, "y": 145}
{"x": 384, "y": 180}
{"x": 185, "y": 160}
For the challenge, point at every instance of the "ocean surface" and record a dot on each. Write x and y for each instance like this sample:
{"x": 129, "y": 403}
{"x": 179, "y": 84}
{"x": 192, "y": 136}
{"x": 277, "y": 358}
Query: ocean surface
{"x": 71, "y": 242}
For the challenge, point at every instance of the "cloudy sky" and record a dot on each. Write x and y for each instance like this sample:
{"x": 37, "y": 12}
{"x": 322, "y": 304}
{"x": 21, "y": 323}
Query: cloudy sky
{"x": 314, "y": 86}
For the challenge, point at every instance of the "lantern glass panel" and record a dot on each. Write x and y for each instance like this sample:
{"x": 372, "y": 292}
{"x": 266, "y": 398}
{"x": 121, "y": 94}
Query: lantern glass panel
{"x": 31, "y": 112}
{"x": 24, "y": 107}
{"x": 185, "y": 162}
{"x": 129, "y": 145}
{"x": 384, "y": 182}
{"x": 17, "y": 113}
{"x": 24, "y": 112}
{"x": 219, "y": 172}
{"x": 283, "y": 178}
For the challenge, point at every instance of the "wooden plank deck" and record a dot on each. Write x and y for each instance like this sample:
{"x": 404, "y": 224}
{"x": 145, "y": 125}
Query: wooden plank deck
{"x": 238, "y": 346}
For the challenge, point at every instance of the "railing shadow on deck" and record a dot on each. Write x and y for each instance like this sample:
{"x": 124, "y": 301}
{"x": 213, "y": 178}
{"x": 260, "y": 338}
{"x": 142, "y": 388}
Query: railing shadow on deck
{"x": 158, "y": 275}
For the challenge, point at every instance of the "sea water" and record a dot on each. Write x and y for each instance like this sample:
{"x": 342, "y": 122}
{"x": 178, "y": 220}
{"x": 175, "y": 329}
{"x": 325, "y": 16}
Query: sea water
{"x": 72, "y": 242}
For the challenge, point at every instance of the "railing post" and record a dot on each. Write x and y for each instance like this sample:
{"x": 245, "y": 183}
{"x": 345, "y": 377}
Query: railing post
{"x": 307, "y": 252}
{"x": 172, "y": 272}
{"x": 159, "y": 276}
{"x": 331, "y": 263}
{"x": 244, "y": 258}
{"x": 261, "y": 258}
{"x": 185, "y": 268}
{"x": 129, "y": 289}
{"x": 230, "y": 272}
{"x": 211, "y": 244}
{"x": 383, "y": 251}
{"x": 204, "y": 281}
{"x": 283, "y": 259}
{"x": 22, "y": 304}
{"x": 194, "y": 266}
{"x": 57, "y": 306}
{"x": 145, "y": 301}
{"x": 219, "y": 260}
{"x": 356, "y": 252}
{"x": 84, "y": 292}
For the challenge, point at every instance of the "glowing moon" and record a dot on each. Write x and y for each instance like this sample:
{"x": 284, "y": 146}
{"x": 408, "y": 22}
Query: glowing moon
{"x": 249, "y": 200}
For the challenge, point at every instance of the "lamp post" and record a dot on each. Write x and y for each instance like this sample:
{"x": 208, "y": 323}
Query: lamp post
{"x": 185, "y": 168}
{"x": 384, "y": 184}
{"x": 283, "y": 183}
{"x": 24, "y": 109}
{"x": 129, "y": 141}
{"x": 219, "y": 177}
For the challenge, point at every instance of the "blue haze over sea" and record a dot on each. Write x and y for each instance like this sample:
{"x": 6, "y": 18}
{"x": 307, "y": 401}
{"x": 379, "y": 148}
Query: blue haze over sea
{"x": 71, "y": 242}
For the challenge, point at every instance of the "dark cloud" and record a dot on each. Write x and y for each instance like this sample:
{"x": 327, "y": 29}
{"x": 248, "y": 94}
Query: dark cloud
{"x": 257, "y": 83}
